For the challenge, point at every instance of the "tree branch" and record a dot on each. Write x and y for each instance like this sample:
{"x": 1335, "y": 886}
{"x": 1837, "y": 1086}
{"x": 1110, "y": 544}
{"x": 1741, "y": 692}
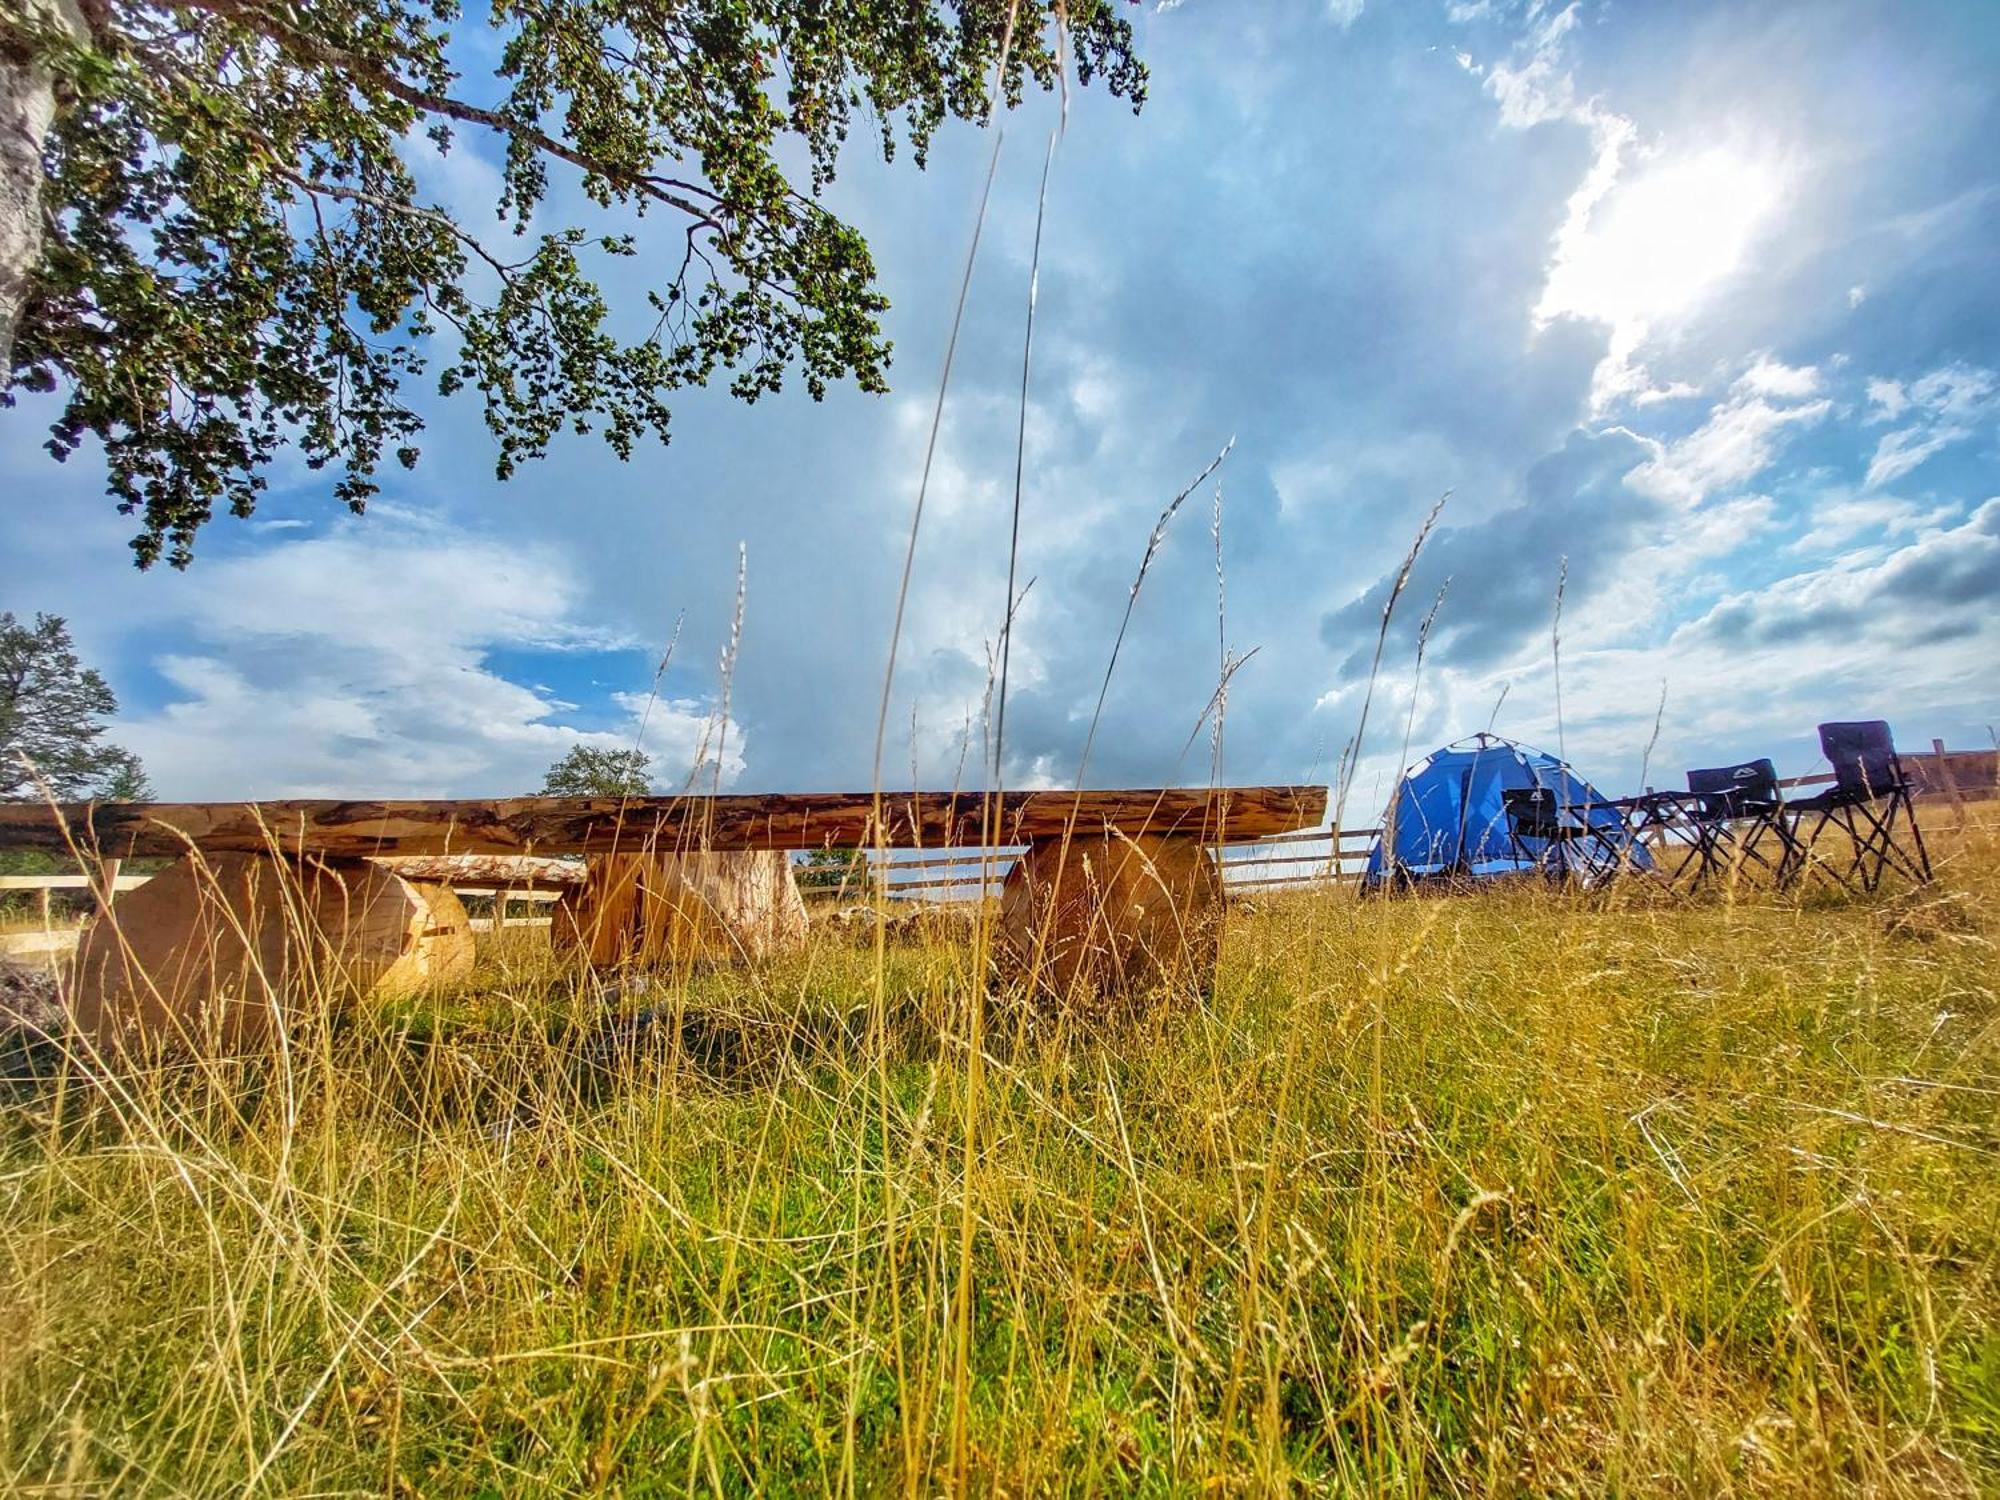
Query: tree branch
{"x": 318, "y": 52}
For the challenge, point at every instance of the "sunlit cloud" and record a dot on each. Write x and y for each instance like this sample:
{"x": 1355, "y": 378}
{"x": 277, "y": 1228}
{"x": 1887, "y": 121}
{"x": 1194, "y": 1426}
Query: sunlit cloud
{"x": 1649, "y": 247}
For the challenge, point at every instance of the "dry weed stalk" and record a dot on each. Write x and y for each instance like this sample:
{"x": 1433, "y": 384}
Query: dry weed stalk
{"x": 1350, "y": 756}
{"x": 1154, "y": 540}
{"x": 1410, "y": 721}
{"x": 1556, "y": 656}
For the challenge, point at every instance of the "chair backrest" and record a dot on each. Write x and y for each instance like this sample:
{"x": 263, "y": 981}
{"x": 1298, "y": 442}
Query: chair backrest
{"x": 1863, "y": 756}
{"x": 1531, "y": 809}
{"x": 1733, "y": 791}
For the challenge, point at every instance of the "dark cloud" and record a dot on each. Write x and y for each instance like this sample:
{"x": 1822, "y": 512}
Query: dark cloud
{"x": 1938, "y": 589}
{"x": 1503, "y": 570}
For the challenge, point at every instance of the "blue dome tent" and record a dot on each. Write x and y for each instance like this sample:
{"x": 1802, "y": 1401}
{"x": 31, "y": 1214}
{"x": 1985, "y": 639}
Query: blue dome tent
{"x": 1448, "y": 819}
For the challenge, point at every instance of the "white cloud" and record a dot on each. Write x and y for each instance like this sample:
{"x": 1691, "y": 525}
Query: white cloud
{"x": 1900, "y": 452}
{"x": 461, "y": 181}
{"x": 1887, "y": 399}
{"x": 1956, "y": 392}
{"x": 1945, "y": 407}
{"x": 1344, "y": 13}
{"x": 1537, "y": 86}
{"x": 1738, "y": 441}
{"x": 1770, "y": 377}
{"x": 1903, "y": 635}
{"x": 1840, "y": 517}
{"x": 1677, "y": 390}
{"x": 355, "y": 663}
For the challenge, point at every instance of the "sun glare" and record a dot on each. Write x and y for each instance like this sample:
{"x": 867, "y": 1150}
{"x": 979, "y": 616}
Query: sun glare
{"x": 1654, "y": 244}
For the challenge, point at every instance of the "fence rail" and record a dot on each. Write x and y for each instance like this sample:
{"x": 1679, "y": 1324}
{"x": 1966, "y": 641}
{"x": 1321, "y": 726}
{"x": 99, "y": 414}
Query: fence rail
{"x": 49, "y": 939}
{"x": 859, "y": 876}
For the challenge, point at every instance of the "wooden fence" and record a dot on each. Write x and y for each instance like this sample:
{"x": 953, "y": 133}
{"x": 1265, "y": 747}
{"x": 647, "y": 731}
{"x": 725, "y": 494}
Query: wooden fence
{"x": 965, "y": 874}
{"x": 543, "y": 890}
{"x": 1936, "y": 774}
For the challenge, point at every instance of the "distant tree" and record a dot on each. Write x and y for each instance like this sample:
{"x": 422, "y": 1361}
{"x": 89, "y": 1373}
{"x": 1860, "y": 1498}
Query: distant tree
{"x": 215, "y": 242}
{"x": 832, "y": 869}
{"x": 128, "y": 783}
{"x": 587, "y": 772}
{"x": 50, "y": 708}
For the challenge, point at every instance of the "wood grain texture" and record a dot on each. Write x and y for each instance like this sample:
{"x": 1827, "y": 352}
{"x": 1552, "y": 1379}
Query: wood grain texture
{"x": 587, "y": 825}
{"x": 517, "y": 872}
{"x": 1108, "y": 924}
{"x": 208, "y": 954}
{"x": 672, "y": 910}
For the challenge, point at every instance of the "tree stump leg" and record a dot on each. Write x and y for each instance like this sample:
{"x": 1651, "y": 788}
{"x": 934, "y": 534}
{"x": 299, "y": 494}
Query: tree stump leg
{"x": 1109, "y": 924}
{"x": 676, "y": 910}
{"x": 210, "y": 954}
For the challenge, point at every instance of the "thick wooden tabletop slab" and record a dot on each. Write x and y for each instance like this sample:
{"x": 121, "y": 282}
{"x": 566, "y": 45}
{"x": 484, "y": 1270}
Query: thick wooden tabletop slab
{"x": 596, "y": 825}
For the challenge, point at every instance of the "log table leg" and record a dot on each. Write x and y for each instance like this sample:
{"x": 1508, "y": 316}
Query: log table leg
{"x": 210, "y": 952}
{"x": 1107, "y": 922}
{"x": 673, "y": 910}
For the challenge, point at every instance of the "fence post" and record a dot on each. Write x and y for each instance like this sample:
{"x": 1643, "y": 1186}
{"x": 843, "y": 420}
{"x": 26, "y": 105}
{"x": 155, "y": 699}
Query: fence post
{"x": 108, "y": 876}
{"x": 1949, "y": 782}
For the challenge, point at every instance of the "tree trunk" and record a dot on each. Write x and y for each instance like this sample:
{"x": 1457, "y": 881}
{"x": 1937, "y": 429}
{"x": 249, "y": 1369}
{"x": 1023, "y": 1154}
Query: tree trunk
{"x": 1105, "y": 927}
{"x": 208, "y": 954}
{"x": 27, "y": 109}
{"x": 673, "y": 910}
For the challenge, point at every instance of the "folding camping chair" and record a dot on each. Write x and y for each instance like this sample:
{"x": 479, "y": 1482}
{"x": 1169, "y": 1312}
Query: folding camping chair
{"x": 1534, "y": 812}
{"x": 1652, "y": 821}
{"x": 1869, "y": 797}
{"x": 1735, "y": 812}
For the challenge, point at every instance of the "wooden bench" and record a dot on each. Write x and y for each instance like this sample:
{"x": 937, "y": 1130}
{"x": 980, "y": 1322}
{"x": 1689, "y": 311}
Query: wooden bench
{"x": 1116, "y": 894}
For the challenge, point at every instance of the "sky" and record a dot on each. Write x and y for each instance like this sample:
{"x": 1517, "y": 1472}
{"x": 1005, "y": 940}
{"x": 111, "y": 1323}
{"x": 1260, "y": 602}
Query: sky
{"x": 1694, "y": 307}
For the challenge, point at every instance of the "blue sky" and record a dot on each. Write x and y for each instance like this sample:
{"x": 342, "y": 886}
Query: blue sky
{"x": 1704, "y": 298}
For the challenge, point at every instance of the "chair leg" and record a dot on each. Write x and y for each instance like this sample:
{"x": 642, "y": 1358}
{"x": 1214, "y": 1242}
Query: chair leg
{"x": 1791, "y": 855}
{"x": 1918, "y": 866}
{"x": 1760, "y": 826}
{"x": 1689, "y": 868}
{"x": 1748, "y": 854}
{"x": 1923, "y": 870}
{"x": 1714, "y": 854}
{"x": 1885, "y": 849}
{"x": 1809, "y": 860}
{"x": 1865, "y": 829}
{"x": 1866, "y": 845}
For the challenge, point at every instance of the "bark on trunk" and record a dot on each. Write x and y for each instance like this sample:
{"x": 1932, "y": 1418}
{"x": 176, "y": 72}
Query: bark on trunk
{"x": 27, "y": 109}
{"x": 1107, "y": 927}
{"x": 673, "y": 910}
{"x": 207, "y": 954}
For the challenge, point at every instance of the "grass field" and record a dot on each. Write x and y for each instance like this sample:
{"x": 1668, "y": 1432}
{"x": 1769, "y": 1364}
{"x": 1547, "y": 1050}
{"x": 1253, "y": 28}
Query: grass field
{"x": 1498, "y": 1194}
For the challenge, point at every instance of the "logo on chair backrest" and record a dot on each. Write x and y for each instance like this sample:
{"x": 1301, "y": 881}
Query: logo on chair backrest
{"x": 1744, "y": 773}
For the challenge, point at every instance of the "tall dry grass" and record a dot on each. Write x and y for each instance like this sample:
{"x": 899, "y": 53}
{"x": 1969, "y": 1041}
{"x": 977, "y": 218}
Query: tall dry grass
{"x": 1515, "y": 1193}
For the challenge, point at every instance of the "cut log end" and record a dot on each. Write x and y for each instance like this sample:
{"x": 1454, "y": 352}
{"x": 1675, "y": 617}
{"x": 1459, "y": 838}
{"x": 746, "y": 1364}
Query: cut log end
{"x": 1111, "y": 925}
{"x": 211, "y": 954}
{"x": 676, "y": 910}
